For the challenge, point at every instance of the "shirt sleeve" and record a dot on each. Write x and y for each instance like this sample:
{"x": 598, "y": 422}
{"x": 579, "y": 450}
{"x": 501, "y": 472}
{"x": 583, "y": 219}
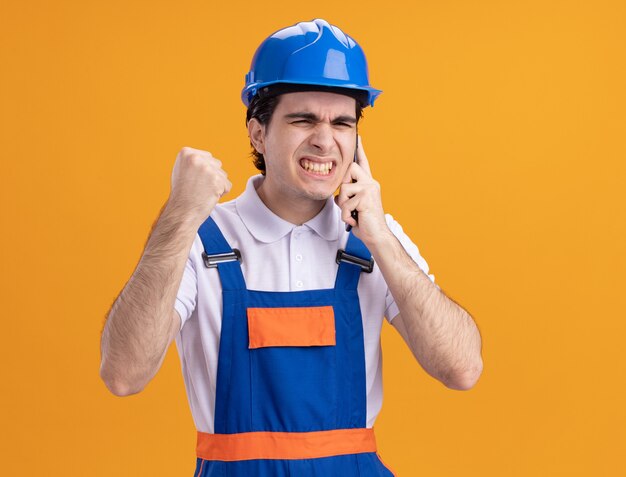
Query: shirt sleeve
{"x": 410, "y": 248}
{"x": 188, "y": 291}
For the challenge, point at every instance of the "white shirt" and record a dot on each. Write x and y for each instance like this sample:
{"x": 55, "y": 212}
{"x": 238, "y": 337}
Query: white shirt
{"x": 276, "y": 256}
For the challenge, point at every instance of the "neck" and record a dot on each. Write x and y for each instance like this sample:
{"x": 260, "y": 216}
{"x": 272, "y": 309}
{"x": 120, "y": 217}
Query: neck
{"x": 288, "y": 208}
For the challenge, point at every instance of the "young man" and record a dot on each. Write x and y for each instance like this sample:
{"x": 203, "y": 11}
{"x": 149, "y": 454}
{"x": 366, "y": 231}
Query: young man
{"x": 275, "y": 307}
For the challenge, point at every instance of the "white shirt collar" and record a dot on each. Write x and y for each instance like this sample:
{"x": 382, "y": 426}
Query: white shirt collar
{"x": 266, "y": 226}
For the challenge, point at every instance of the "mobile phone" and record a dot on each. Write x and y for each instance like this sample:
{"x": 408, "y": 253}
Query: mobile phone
{"x": 354, "y": 213}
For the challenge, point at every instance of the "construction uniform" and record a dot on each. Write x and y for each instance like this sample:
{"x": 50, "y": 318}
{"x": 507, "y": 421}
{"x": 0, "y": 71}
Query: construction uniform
{"x": 280, "y": 350}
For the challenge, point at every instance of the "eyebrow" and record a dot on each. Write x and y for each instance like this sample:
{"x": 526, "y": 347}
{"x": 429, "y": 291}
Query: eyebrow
{"x": 314, "y": 118}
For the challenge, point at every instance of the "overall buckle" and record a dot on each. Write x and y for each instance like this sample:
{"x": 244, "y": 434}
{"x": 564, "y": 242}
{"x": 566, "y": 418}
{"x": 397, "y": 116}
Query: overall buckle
{"x": 366, "y": 265}
{"x": 211, "y": 261}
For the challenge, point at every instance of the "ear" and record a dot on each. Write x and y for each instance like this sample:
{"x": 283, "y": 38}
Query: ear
{"x": 256, "y": 133}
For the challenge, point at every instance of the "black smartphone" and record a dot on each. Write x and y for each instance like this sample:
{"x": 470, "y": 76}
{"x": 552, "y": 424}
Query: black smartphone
{"x": 354, "y": 213}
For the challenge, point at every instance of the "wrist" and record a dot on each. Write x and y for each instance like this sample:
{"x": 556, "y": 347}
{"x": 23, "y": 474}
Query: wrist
{"x": 382, "y": 240}
{"x": 173, "y": 232}
{"x": 182, "y": 216}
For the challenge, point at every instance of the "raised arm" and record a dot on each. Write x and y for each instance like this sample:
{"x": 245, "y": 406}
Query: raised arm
{"x": 142, "y": 321}
{"x": 441, "y": 335}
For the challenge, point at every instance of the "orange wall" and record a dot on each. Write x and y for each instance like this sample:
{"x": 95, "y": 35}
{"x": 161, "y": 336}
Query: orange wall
{"x": 499, "y": 144}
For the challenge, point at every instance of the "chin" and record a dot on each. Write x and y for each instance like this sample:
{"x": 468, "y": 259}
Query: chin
{"x": 318, "y": 195}
{"x": 321, "y": 193}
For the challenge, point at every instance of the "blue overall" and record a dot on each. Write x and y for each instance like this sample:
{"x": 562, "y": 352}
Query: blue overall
{"x": 289, "y": 388}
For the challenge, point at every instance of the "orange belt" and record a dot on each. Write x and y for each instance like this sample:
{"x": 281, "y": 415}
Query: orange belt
{"x": 284, "y": 445}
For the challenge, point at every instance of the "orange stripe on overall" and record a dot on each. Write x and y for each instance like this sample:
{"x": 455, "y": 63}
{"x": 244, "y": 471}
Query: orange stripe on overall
{"x": 284, "y": 445}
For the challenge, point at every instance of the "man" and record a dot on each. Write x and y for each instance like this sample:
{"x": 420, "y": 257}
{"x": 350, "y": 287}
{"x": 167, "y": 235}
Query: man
{"x": 275, "y": 306}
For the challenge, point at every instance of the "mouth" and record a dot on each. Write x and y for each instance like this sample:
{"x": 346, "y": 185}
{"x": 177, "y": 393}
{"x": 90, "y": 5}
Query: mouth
{"x": 317, "y": 167}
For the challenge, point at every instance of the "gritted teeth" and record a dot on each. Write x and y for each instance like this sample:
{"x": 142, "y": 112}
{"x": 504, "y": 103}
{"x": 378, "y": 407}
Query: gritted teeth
{"x": 322, "y": 168}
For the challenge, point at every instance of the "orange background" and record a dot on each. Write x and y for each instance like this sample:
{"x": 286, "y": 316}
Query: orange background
{"x": 500, "y": 145}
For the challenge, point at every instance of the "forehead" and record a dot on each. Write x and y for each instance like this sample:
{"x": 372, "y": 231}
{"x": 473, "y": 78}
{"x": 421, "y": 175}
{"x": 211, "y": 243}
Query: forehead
{"x": 317, "y": 102}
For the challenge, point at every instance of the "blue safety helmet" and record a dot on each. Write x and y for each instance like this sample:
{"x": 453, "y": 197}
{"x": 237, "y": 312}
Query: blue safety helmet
{"x": 309, "y": 54}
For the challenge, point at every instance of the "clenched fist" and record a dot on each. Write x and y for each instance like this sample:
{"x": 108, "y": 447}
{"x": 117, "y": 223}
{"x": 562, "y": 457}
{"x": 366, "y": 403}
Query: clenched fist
{"x": 198, "y": 182}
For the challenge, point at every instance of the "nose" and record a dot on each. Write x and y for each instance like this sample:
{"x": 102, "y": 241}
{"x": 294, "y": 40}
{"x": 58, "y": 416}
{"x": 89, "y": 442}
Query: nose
{"x": 322, "y": 138}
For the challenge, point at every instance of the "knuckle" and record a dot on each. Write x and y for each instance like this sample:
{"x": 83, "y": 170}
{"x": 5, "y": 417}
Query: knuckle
{"x": 196, "y": 159}
{"x": 187, "y": 151}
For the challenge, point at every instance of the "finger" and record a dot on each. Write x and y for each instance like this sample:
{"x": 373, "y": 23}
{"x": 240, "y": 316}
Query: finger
{"x": 346, "y": 211}
{"x": 347, "y": 178}
{"x": 358, "y": 173}
{"x": 193, "y": 150}
{"x": 353, "y": 203}
{"x": 349, "y": 190}
{"x": 229, "y": 186}
{"x": 351, "y": 222}
{"x": 362, "y": 158}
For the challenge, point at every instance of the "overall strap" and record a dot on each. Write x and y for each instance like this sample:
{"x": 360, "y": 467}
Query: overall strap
{"x": 349, "y": 272}
{"x": 217, "y": 253}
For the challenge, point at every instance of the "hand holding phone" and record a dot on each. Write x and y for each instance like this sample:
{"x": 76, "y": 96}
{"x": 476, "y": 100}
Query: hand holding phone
{"x": 361, "y": 192}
